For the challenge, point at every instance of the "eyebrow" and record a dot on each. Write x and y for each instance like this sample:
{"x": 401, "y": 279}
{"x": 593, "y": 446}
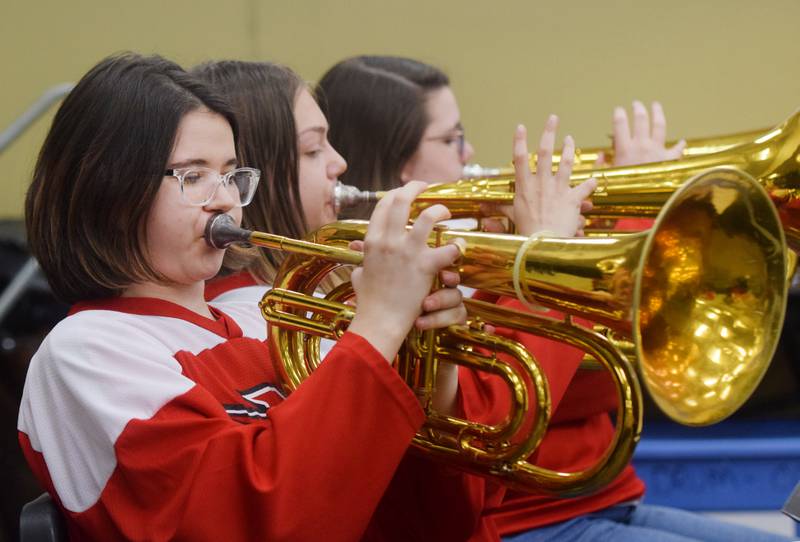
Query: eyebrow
{"x": 457, "y": 127}
{"x": 320, "y": 129}
{"x": 199, "y": 162}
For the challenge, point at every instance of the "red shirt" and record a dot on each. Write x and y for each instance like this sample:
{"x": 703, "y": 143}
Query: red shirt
{"x": 147, "y": 421}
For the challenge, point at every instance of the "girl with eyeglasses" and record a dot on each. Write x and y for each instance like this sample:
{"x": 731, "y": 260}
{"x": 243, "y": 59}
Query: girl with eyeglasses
{"x": 396, "y": 119}
{"x": 150, "y": 414}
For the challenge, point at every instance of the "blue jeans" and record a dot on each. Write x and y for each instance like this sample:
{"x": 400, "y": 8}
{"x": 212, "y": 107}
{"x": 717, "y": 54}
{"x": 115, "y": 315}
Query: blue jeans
{"x": 635, "y": 523}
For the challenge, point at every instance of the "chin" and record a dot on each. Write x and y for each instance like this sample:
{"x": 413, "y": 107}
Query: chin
{"x": 331, "y": 216}
{"x": 212, "y": 266}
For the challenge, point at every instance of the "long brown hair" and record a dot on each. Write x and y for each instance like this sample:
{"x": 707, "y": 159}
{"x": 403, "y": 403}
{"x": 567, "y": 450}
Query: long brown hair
{"x": 263, "y": 96}
{"x": 376, "y": 109}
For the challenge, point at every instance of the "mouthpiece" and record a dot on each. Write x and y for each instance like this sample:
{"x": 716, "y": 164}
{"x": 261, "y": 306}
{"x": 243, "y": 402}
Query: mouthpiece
{"x": 221, "y": 232}
{"x": 476, "y": 171}
{"x": 345, "y": 196}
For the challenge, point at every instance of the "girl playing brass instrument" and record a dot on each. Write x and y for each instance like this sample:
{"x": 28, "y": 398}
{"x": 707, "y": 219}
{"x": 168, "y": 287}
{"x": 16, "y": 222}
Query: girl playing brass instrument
{"x": 149, "y": 414}
{"x": 277, "y": 111}
{"x": 369, "y": 101}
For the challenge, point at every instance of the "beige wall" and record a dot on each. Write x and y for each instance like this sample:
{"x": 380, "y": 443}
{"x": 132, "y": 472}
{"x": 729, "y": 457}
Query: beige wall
{"x": 718, "y": 66}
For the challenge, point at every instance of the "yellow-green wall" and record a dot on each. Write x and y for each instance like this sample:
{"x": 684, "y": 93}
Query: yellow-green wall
{"x": 718, "y": 66}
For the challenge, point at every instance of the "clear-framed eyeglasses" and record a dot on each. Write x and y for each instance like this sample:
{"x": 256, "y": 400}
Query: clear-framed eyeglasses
{"x": 200, "y": 184}
{"x": 455, "y": 137}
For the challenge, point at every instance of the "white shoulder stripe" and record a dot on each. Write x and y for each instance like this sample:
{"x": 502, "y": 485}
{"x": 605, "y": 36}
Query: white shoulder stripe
{"x": 245, "y": 294}
{"x": 96, "y": 371}
{"x": 246, "y": 313}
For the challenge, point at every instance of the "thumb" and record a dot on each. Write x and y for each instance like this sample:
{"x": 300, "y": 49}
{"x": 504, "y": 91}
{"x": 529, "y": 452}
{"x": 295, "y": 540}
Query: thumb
{"x": 585, "y": 189}
{"x": 677, "y": 150}
{"x": 492, "y": 225}
{"x": 601, "y": 159}
{"x": 445, "y": 255}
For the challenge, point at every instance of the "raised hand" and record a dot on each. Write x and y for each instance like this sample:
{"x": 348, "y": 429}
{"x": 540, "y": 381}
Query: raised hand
{"x": 545, "y": 201}
{"x": 646, "y": 141}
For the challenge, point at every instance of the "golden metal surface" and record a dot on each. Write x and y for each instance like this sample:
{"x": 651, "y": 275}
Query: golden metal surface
{"x": 477, "y": 447}
{"x": 297, "y": 320}
{"x": 701, "y": 297}
{"x": 586, "y": 157}
{"x": 773, "y": 159}
{"x": 499, "y": 451}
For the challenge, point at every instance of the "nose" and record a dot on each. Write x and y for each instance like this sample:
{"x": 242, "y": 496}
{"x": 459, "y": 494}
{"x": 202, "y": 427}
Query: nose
{"x": 222, "y": 200}
{"x": 469, "y": 152}
{"x": 337, "y": 164}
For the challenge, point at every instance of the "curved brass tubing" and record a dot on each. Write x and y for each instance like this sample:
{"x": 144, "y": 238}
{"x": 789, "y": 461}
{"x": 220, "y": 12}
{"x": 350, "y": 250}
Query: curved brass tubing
{"x": 772, "y": 158}
{"x": 701, "y": 297}
{"x": 586, "y": 158}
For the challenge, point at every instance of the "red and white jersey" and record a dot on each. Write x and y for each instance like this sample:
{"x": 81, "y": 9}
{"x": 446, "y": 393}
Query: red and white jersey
{"x": 425, "y": 500}
{"x": 147, "y": 421}
{"x": 239, "y": 287}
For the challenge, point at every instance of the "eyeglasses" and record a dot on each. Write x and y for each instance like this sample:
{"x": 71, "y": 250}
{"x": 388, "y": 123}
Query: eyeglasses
{"x": 453, "y": 137}
{"x": 200, "y": 184}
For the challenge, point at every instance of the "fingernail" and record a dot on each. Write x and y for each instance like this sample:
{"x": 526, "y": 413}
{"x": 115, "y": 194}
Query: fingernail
{"x": 461, "y": 245}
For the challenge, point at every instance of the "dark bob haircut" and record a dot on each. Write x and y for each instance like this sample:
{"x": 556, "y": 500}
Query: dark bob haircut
{"x": 376, "y": 109}
{"x": 263, "y": 95}
{"x": 100, "y": 168}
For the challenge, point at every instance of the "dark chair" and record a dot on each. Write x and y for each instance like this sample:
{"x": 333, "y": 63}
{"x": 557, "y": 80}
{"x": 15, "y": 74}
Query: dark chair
{"x": 41, "y": 521}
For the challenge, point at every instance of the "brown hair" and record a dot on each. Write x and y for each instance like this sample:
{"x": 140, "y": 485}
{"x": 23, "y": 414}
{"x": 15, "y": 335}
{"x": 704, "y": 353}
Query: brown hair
{"x": 263, "y": 95}
{"x": 376, "y": 108}
{"x": 100, "y": 168}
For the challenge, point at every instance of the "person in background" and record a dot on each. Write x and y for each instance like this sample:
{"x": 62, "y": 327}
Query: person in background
{"x": 279, "y": 118}
{"x": 396, "y": 120}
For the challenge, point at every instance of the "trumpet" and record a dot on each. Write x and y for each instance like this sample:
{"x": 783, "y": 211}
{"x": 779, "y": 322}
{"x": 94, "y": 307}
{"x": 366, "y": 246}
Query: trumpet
{"x": 586, "y": 158}
{"x": 701, "y": 297}
{"x": 773, "y": 159}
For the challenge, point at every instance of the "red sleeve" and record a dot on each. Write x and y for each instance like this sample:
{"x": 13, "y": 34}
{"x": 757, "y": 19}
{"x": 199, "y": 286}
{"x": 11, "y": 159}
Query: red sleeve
{"x": 314, "y": 471}
{"x": 429, "y": 500}
{"x": 486, "y": 397}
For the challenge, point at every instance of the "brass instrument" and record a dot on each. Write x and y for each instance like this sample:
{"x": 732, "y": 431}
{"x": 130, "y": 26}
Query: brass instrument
{"x": 586, "y": 158}
{"x": 485, "y": 449}
{"x": 701, "y": 296}
{"x": 640, "y": 191}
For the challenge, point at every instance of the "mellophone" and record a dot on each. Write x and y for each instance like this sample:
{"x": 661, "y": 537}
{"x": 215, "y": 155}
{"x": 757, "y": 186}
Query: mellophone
{"x": 705, "y": 289}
